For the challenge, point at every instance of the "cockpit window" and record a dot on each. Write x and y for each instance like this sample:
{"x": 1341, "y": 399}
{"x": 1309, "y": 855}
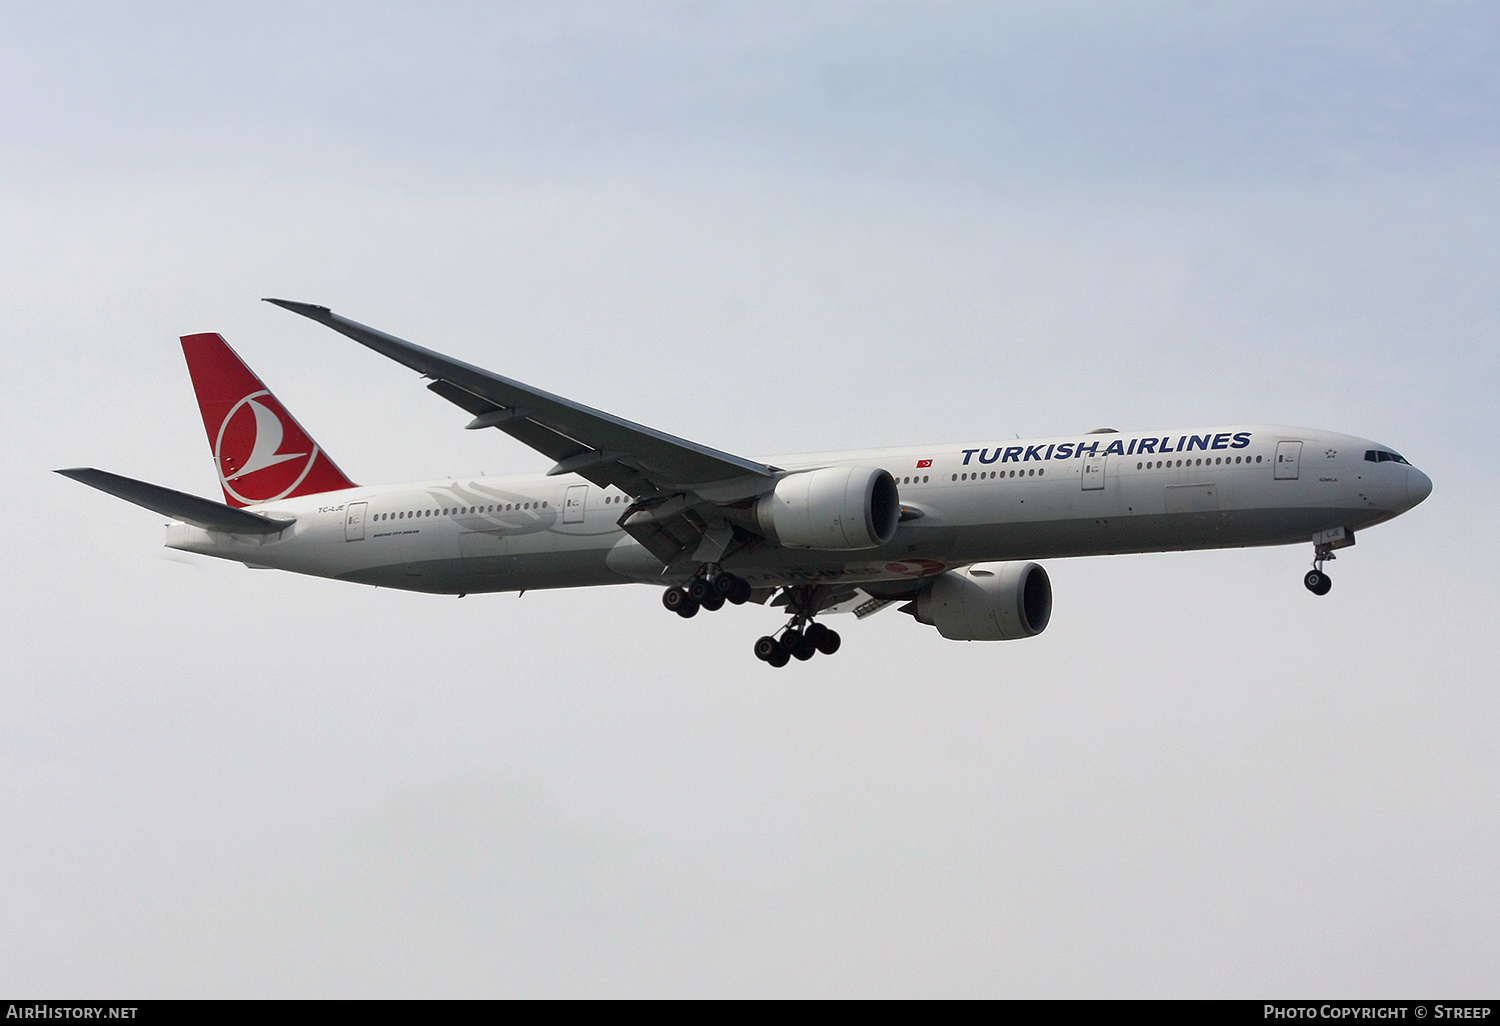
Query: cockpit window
{"x": 1382, "y": 456}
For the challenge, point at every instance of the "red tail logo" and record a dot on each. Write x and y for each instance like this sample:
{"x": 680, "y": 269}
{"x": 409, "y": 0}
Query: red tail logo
{"x": 260, "y": 451}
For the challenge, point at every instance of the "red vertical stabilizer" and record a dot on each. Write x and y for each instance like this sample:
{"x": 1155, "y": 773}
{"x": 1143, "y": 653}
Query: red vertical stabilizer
{"x": 260, "y": 450}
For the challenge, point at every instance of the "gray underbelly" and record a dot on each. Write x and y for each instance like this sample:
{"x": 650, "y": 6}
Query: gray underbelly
{"x": 1156, "y": 532}
{"x": 579, "y": 568}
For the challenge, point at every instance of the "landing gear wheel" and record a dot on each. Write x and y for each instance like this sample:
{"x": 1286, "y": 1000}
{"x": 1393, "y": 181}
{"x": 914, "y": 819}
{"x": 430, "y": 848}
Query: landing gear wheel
{"x": 766, "y": 648}
{"x": 687, "y": 609}
{"x": 739, "y": 591}
{"x": 700, "y": 589}
{"x": 797, "y": 645}
{"x": 723, "y": 585}
{"x": 1317, "y": 582}
{"x": 779, "y": 658}
{"x": 829, "y": 643}
{"x": 674, "y": 599}
{"x": 814, "y": 633}
{"x": 714, "y": 604}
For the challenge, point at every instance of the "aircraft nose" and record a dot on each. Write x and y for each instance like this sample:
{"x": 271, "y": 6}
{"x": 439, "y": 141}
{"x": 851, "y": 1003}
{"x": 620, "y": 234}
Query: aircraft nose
{"x": 1418, "y": 485}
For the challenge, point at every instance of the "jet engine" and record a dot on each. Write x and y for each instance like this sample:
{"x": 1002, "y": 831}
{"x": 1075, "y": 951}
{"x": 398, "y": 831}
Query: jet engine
{"x": 987, "y": 602}
{"x": 834, "y": 508}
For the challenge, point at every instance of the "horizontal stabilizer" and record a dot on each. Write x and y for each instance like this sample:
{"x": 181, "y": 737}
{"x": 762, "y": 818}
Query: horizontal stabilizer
{"x": 190, "y": 509}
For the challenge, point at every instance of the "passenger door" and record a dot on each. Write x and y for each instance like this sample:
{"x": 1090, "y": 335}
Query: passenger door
{"x": 354, "y": 521}
{"x": 1092, "y": 473}
{"x": 573, "y": 503}
{"x": 1288, "y": 456}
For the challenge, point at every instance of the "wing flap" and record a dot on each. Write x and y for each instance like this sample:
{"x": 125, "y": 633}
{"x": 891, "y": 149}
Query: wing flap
{"x": 190, "y": 509}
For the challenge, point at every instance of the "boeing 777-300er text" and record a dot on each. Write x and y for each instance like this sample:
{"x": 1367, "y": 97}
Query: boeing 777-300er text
{"x": 947, "y": 531}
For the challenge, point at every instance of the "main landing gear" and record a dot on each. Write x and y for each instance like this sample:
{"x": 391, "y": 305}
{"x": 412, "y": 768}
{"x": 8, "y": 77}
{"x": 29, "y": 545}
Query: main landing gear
{"x": 801, "y": 639}
{"x": 706, "y": 591}
{"x": 797, "y": 642}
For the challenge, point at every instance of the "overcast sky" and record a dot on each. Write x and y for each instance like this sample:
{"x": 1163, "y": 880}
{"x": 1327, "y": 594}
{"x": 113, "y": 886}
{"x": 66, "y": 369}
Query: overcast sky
{"x": 768, "y": 227}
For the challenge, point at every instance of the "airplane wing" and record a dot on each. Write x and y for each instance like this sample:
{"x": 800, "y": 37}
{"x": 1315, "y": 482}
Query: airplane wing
{"x": 601, "y": 447}
{"x": 190, "y": 509}
{"x": 672, "y": 479}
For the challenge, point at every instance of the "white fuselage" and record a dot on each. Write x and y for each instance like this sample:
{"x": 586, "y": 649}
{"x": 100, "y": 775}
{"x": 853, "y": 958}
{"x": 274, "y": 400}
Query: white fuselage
{"x": 1073, "y": 495}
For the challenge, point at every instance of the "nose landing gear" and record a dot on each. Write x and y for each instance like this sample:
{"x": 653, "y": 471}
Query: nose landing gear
{"x": 1317, "y": 582}
{"x": 1324, "y": 542}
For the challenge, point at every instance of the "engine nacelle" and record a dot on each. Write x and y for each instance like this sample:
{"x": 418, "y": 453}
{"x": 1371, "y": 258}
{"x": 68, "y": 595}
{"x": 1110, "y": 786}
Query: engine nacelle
{"x": 988, "y": 602}
{"x": 833, "y": 508}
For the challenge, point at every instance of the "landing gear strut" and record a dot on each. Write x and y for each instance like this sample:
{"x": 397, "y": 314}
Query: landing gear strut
{"x": 801, "y": 639}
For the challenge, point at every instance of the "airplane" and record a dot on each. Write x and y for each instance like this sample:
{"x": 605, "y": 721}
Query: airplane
{"x": 948, "y": 533}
